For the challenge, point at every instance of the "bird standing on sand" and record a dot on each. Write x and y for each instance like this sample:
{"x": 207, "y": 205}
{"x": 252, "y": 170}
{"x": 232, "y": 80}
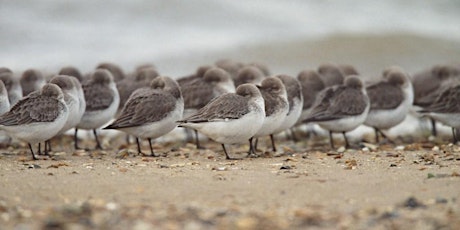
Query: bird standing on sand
{"x": 391, "y": 99}
{"x": 102, "y": 102}
{"x": 341, "y": 108}
{"x": 69, "y": 88}
{"x": 230, "y": 118}
{"x": 38, "y": 117}
{"x": 200, "y": 91}
{"x": 151, "y": 113}
{"x": 295, "y": 102}
{"x": 430, "y": 83}
{"x": 276, "y": 110}
{"x": 446, "y": 108}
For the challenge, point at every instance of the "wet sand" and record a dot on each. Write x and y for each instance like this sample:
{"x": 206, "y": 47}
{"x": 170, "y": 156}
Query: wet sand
{"x": 303, "y": 185}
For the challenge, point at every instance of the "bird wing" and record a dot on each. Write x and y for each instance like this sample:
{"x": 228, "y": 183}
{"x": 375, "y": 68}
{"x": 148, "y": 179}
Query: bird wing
{"x": 447, "y": 102}
{"x": 384, "y": 95}
{"x": 33, "y": 109}
{"x": 224, "y": 107}
{"x": 145, "y": 108}
{"x": 332, "y": 101}
{"x": 97, "y": 98}
{"x": 197, "y": 94}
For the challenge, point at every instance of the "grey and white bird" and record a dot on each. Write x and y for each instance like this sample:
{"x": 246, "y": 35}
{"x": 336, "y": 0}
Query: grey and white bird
{"x": 276, "y": 109}
{"x": 295, "y": 101}
{"x": 71, "y": 98}
{"x": 391, "y": 99}
{"x": 311, "y": 84}
{"x": 102, "y": 100}
{"x": 230, "y": 118}
{"x": 429, "y": 84}
{"x": 341, "y": 108}
{"x": 200, "y": 91}
{"x": 151, "y": 113}
{"x": 38, "y": 117}
{"x": 140, "y": 78}
{"x": 446, "y": 108}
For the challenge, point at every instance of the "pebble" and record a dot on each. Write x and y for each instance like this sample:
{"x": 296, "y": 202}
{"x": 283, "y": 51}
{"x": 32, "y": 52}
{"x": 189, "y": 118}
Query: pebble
{"x": 111, "y": 206}
{"x": 413, "y": 203}
{"x": 341, "y": 149}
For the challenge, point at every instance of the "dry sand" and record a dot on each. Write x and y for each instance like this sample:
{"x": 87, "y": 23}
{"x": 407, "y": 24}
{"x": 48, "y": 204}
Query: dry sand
{"x": 305, "y": 185}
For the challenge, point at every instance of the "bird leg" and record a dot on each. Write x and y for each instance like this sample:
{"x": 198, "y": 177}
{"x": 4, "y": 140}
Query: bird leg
{"x": 39, "y": 148}
{"x": 197, "y": 140}
{"x": 139, "y": 151}
{"x": 251, "y": 151}
{"x": 454, "y": 135}
{"x": 434, "y": 132}
{"x": 273, "y": 143}
{"x": 331, "y": 141}
{"x": 226, "y": 154}
{"x": 255, "y": 145}
{"x": 32, "y": 151}
{"x": 376, "y": 130}
{"x": 47, "y": 147}
{"x": 151, "y": 148}
{"x": 347, "y": 145}
{"x": 75, "y": 139}
{"x": 98, "y": 144}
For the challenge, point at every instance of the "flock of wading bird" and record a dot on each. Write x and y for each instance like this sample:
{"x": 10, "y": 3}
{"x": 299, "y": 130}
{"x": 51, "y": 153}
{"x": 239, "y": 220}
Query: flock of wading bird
{"x": 229, "y": 102}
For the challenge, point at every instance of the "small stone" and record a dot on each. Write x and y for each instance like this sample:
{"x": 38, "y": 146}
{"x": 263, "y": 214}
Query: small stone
{"x": 80, "y": 152}
{"x": 341, "y": 149}
{"x": 33, "y": 166}
{"x": 111, "y": 206}
{"x": 222, "y": 168}
{"x": 435, "y": 148}
{"x": 441, "y": 200}
{"x": 399, "y": 148}
{"x": 369, "y": 146}
{"x": 413, "y": 203}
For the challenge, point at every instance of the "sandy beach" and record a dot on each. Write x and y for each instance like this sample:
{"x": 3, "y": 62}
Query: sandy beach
{"x": 304, "y": 185}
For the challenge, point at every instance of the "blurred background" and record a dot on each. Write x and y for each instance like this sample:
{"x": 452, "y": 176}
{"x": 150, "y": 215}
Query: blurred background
{"x": 178, "y": 36}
